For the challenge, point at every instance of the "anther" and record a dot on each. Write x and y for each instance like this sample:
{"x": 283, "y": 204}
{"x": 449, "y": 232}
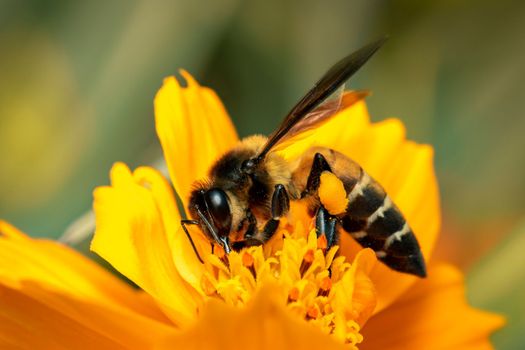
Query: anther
{"x": 325, "y": 286}
{"x": 312, "y": 312}
{"x": 322, "y": 242}
{"x": 221, "y": 254}
{"x": 308, "y": 259}
{"x": 247, "y": 261}
{"x": 293, "y": 294}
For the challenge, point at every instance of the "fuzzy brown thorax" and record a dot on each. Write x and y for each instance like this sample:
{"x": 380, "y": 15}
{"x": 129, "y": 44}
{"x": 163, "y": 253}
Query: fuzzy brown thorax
{"x": 246, "y": 192}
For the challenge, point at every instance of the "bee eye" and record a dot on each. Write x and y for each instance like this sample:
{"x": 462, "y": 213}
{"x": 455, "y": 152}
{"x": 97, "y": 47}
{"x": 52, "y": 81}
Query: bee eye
{"x": 217, "y": 203}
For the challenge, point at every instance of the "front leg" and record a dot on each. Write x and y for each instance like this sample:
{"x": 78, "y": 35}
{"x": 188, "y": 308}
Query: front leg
{"x": 280, "y": 207}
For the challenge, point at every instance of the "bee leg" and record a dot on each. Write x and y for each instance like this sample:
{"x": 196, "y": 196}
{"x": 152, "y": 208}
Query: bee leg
{"x": 280, "y": 207}
{"x": 319, "y": 165}
{"x": 254, "y": 238}
{"x": 326, "y": 224}
{"x": 183, "y": 223}
{"x": 280, "y": 202}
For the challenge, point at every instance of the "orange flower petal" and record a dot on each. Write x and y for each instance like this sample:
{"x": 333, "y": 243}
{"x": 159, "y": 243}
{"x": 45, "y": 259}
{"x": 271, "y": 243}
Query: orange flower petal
{"x": 185, "y": 259}
{"x": 51, "y": 297}
{"x": 35, "y": 318}
{"x": 433, "y": 314}
{"x": 62, "y": 269}
{"x": 264, "y": 324}
{"x": 194, "y": 130}
{"x": 135, "y": 228}
{"x": 404, "y": 168}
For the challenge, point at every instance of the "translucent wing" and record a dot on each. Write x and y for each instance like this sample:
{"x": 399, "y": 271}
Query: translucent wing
{"x": 299, "y": 118}
{"x": 325, "y": 110}
{"x": 319, "y": 116}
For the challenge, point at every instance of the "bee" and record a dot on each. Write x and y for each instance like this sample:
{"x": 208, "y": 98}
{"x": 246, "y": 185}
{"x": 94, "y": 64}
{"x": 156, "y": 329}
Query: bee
{"x": 250, "y": 187}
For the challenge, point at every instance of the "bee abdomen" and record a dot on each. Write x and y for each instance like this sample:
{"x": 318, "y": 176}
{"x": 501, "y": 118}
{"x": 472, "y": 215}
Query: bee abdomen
{"x": 374, "y": 221}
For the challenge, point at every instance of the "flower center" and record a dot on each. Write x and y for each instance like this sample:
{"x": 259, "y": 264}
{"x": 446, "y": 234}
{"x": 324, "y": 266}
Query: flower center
{"x": 315, "y": 284}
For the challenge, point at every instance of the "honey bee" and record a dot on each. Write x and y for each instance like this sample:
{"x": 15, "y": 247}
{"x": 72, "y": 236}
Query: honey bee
{"x": 251, "y": 186}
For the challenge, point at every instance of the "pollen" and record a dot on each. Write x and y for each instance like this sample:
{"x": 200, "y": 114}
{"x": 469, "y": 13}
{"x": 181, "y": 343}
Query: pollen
{"x": 332, "y": 193}
{"x": 316, "y": 285}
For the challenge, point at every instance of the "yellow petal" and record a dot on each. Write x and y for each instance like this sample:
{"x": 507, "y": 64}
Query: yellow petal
{"x": 194, "y": 130}
{"x": 264, "y": 324}
{"x": 33, "y": 317}
{"x": 184, "y": 257}
{"x": 62, "y": 269}
{"x": 135, "y": 228}
{"x": 433, "y": 314}
{"x": 51, "y": 297}
{"x": 405, "y": 169}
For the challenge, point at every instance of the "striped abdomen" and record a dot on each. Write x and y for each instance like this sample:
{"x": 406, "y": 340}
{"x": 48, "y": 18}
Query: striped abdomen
{"x": 374, "y": 221}
{"x": 371, "y": 217}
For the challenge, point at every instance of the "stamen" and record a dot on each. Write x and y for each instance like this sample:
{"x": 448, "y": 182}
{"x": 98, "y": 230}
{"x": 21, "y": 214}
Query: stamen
{"x": 322, "y": 242}
{"x": 247, "y": 261}
{"x": 319, "y": 287}
{"x": 307, "y": 261}
{"x": 293, "y": 294}
{"x": 325, "y": 286}
{"x": 313, "y": 312}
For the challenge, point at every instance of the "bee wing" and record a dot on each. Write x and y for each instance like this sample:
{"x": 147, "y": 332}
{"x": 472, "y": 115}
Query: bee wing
{"x": 319, "y": 116}
{"x": 328, "y": 84}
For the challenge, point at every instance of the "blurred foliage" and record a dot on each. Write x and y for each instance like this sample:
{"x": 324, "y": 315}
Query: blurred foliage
{"x": 507, "y": 283}
{"x": 78, "y": 80}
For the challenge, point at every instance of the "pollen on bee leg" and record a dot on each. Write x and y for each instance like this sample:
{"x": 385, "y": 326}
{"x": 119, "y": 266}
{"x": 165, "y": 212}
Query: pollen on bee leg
{"x": 332, "y": 193}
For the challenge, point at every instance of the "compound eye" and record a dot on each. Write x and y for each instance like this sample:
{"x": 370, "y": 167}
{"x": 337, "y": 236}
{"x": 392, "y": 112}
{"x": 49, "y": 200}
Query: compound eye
{"x": 217, "y": 202}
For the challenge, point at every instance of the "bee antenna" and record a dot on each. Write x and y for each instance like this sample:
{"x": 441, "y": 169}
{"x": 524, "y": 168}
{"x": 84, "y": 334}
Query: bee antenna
{"x": 183, "y": 223}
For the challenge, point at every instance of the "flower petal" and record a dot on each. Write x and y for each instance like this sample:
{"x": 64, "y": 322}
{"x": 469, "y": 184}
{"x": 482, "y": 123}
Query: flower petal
{"x": 34, "y": 317}
{"x": 53, "y": 297}
{"x": 185, "y": 259}
{"x": 264, "y": 324}
{"x": 194, "y": 130}
{"x": 403, "y": 168}
{"x": 418, "y": 319}
{"x": 135, "y": 228}
{"x": 62, "y": 269}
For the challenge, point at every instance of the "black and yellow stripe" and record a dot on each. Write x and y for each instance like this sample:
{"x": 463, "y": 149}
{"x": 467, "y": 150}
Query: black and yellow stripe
{"x": 374, "y": 221}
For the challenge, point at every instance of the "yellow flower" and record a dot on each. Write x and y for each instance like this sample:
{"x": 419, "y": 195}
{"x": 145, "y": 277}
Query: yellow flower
{"x": 289, "y": 293}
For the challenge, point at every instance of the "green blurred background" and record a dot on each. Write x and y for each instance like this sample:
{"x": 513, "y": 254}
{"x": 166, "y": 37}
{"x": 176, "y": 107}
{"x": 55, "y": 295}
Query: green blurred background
{"x": 77, "y": 80}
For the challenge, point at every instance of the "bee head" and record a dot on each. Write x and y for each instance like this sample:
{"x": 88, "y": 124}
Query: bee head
{"x": 211, "y": 208}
